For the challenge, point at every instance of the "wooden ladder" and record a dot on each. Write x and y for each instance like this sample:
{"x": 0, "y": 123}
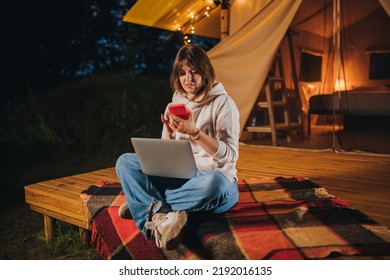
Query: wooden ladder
{"x": 275, "y": 98}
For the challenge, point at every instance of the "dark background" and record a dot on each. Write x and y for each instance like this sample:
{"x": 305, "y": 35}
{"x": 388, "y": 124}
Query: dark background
{"x": 76, "y": 84}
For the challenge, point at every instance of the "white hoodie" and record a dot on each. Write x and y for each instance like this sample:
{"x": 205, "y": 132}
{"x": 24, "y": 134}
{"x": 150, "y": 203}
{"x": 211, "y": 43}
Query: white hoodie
{"x": 218, "y": 117}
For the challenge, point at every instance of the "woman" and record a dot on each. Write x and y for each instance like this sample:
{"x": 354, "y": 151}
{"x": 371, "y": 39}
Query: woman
{"x": 160, "y": 205}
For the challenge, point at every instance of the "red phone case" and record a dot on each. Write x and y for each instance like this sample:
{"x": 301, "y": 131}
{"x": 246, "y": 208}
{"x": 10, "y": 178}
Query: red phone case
{"x": 179, "y": 110}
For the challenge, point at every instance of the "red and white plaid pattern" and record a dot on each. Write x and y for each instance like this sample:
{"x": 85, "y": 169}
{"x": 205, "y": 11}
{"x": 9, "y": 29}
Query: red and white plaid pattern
{"x": 280, "y": 218}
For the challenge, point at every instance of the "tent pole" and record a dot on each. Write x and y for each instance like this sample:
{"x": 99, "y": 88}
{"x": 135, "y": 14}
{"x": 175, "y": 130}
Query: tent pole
{"x": 224, "y": 19}
{"x": 296, "y": 83}
{"x": 336, "y": 46}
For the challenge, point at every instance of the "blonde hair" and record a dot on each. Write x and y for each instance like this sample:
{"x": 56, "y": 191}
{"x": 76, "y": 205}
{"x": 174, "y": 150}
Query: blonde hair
{"x": 195, "y": 57}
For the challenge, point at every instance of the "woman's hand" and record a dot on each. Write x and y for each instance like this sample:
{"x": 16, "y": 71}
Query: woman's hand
{"x": 177, "y": 124}
{"x": 170, "y": 133}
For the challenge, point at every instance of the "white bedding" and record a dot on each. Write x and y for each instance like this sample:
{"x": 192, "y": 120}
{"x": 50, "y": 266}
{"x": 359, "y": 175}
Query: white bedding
{"x": 370, "y": 101}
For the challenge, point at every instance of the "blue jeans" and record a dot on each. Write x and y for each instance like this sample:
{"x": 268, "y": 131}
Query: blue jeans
{"x": 207, "y": 191}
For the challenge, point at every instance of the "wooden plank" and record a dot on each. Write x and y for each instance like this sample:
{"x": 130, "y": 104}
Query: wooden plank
{"x": 96, "y": 177}
{"x": 110, "y": 171}
{"x": 57, "y": 205}
{"x": 67, "y": 219}
{"x": 54, "y": 192}
{"x": 263, "y": 128}
{"x": 79, "y": 184}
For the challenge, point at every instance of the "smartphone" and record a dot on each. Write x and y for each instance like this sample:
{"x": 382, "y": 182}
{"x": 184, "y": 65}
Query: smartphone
{"x": 179, "y": 110}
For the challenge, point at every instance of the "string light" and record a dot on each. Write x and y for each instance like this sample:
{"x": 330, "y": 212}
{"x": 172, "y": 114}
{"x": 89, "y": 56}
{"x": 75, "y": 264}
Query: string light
{"x": 189, "y": 25}
{"x": 207, "y": 11}
{"x": 187, "y": 40}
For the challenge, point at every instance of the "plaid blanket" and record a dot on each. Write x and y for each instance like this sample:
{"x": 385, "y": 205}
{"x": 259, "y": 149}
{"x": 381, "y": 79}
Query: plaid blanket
{"x": 280, "y": 218}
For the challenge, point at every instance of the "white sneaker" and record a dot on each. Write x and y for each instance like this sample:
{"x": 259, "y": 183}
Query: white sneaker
{"x": 167, "y": 229}
{"x": 124, "y": 211}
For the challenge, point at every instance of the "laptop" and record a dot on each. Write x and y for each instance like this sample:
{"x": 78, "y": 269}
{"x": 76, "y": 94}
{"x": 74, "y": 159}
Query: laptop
{"x": 164, "y": 157}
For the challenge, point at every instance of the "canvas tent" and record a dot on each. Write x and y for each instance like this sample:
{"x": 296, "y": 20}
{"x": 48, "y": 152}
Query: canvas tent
{"x": 257, "y": 28}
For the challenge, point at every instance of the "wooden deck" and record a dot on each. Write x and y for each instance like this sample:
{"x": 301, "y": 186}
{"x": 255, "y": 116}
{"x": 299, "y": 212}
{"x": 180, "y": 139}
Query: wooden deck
{"x": 60, "y": 199}
{"x": 363, "y": 180}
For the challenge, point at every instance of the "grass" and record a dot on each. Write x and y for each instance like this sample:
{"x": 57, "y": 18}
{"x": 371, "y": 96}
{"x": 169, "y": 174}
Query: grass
{"x": 68, "y": 245}
{"x": 22, "y": 230}
{"x": 24, "y": 238}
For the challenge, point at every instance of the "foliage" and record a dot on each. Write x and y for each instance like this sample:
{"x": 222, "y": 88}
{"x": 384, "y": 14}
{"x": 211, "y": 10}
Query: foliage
{"x": 82, "y": 125}
{"x": 24, "y": 239}
{"x": 50, "y": 43}
{"x": 67, "y": 244}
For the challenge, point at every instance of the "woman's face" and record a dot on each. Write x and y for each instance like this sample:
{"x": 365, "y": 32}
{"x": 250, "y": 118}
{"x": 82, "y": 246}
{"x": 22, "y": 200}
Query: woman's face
{"x": 190, "y": 79}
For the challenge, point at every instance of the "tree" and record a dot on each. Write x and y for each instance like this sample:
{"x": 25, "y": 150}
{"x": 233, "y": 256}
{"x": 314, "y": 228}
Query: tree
{"x": 48, "y": 43}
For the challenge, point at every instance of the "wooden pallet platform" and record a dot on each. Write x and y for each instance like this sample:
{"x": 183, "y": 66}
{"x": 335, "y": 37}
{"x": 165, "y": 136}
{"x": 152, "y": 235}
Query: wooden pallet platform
{"x": 60, "y": 199}
{"x": 363, "y": 180}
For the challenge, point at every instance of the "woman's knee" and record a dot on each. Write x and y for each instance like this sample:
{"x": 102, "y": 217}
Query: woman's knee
{"x": 216, "y": 184}
{"x": 126, "y": 161}
{"x": 219, "y": 192}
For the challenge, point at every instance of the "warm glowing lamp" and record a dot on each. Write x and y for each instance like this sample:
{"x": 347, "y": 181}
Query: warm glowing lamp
{"x": 339, "y": 85}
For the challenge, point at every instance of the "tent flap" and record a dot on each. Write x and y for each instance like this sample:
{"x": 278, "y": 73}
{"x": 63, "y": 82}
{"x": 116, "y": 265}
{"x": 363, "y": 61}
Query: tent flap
{"x": 174, "y": 14}
{"x": 386, "y": 5}
{"x": 242, "y": 60}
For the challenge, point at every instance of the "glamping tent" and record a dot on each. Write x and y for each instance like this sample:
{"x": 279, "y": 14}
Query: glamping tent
{"x": 334, "y": 46}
